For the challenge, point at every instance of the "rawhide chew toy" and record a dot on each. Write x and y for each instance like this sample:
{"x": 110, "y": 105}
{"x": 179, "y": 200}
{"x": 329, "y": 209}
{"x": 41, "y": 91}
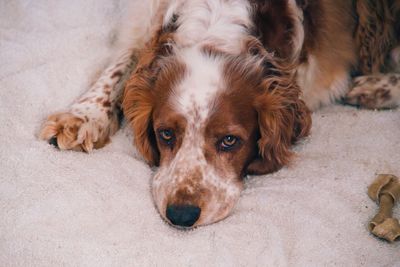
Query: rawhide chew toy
{"x": 385, "y": 190}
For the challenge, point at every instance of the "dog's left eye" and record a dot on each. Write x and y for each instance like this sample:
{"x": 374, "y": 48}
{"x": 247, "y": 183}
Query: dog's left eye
{"x": 228, "y": 142}
{"x": 167, "y": 136}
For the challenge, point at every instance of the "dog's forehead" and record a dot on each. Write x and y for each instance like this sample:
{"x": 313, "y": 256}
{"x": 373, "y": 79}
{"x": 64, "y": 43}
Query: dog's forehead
{"x": 196, "y": 94}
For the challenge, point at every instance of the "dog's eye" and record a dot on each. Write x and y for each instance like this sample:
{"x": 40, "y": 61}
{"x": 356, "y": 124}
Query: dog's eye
{"x": 228, "y": 143}
{"x": 167, "y": 136}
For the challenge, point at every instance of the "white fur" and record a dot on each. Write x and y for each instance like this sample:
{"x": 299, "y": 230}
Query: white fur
{"x": 203, "y": 82}
{"x": 98, "y": 121}
{"x": 216, "y": 22}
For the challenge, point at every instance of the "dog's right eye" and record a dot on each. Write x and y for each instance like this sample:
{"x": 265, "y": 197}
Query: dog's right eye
{"x": 166, "y": 136}
{"x": 228, "y": 143}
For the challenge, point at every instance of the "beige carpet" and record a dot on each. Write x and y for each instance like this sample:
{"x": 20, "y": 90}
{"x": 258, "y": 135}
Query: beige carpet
{"x": 74, "y": 209}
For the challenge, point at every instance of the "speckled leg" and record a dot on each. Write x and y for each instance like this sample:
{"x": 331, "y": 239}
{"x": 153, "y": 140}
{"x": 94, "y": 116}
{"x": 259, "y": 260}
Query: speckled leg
{"x": 92, "y": 118}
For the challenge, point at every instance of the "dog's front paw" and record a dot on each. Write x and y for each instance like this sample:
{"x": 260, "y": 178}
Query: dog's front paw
{"x": 71, "y": 132}
{"x": 373, "y": 92}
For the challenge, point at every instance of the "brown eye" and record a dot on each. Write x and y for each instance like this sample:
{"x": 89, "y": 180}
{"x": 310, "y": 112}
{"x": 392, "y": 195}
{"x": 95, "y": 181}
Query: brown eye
{"x": 167, "y": 136}
{"x": 228, "y": 143}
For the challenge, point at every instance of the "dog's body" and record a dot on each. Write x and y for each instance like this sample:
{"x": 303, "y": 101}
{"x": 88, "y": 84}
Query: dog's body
{"x": 215, "y": 91}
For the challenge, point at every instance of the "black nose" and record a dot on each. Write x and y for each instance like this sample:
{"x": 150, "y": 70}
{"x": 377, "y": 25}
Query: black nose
{"x": 53, "y": 141}
{"x": 183, "y": 215}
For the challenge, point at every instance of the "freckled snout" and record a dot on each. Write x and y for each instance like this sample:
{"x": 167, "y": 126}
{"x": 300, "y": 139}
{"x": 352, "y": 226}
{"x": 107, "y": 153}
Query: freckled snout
{"x": 183, "y": 215}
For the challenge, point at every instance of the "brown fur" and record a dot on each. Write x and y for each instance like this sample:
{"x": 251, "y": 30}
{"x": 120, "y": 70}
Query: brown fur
{"x": 328, "y": 38}
{"x": 140, "y": 94}
{"x": 283, "y": 119}
{"x": 376, "y": 33}
{"x": 274, "y": 26}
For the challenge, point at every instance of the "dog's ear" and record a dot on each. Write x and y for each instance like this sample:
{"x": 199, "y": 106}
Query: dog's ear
{"x": 283, "y": 118}
{"x": 138, "y": 105}
{"x": 138, "y": 99}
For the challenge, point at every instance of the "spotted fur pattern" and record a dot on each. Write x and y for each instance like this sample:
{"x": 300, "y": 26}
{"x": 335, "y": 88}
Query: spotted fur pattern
{"x": 378, "y": 91}
{"x": 90, "y": 121}
{"x": 206, "y": 69}
{"x": 93, "y": 118}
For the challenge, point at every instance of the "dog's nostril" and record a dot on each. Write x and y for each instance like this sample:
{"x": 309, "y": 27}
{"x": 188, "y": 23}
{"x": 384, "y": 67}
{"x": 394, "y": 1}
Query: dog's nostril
{"x": 53, "y": 141}
{"x": 183, "y": 215}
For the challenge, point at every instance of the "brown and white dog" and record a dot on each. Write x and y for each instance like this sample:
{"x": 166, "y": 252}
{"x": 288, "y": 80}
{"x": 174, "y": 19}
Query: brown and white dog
{"x": 217, "y": 89}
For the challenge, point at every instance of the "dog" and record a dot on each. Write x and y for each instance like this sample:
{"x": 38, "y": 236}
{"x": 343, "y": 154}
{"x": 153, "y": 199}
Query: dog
{"x": 215, "y": 90}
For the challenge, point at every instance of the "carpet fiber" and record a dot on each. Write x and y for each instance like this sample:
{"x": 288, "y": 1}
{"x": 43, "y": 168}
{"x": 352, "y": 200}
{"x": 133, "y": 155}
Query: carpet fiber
{"x": 75, "y": 209}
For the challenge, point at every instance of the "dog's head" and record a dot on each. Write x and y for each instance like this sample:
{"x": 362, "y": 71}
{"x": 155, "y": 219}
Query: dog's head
{"x": 207, "y": 118}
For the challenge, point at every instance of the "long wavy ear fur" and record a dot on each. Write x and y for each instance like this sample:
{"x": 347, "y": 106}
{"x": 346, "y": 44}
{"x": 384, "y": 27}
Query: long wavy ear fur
{"x": 138, "y": 100}
{"x": 283, "y": 119}
{"x": 138, "y": 103}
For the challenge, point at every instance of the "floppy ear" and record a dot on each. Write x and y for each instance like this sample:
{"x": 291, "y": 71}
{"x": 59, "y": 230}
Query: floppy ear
{"x": 138, "y": 104}
{"x": 138, "y": 100}
{"x": 283, "y": 118}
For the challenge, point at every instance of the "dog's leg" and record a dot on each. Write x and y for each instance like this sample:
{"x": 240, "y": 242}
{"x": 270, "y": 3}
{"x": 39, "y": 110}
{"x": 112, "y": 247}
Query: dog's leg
{"x": 379, "y": 91}
{"x": 93, "y": 118}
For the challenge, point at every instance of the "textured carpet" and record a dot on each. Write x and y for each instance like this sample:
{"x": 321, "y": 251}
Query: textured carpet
{"x": 75, "y": 209}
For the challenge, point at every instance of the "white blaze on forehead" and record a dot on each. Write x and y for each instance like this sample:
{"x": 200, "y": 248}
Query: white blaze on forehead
{"x": 196, "y": 93}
